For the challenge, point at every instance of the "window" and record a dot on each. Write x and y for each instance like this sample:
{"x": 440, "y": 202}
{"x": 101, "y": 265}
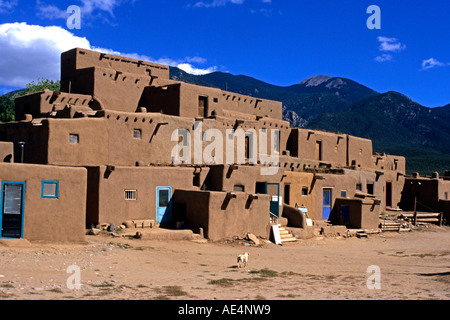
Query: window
{"x": 50, "y": 189}
{"x": 304, "y": 191}
{"x": 239, "y": 188}
{"x": 74, "y": 138}
{"x": 370, "y": 188}
{"x": 130, "y": 194}
{"x": 137, "y": 133}
{"x": 343, "y": 194}
{"x": 446, "y": 196}
{"x": 358, "y": 187}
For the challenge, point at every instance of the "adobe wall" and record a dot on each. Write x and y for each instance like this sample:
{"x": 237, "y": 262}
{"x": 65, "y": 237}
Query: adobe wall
{"x": 398, "y": 182}
{"x": 389, "y": 162}
{"x": 313, "y": 200}
{"x": 303, "y": 143}
{"x": 113, "y": 90}
{"x": 360, "y": 152}
{"x": 111, "y": 139}
{"x": 110, "y": 205}
{"x": 42, "y": 104}
{"x": 182, "y": 99}
{"x": 227, "y": 177}
{"x": 223, "y": 217}
{"x": 426, "y": 190}
{"x": 6, "y": 152}
{"x": 34, "y": 134}
{"x": 55, "y": 220}
{"x": 363, "y": 213}
{"x": 77, "y": 59}
{"x": 337, "y": 183}
{"x": 92, "y": 146}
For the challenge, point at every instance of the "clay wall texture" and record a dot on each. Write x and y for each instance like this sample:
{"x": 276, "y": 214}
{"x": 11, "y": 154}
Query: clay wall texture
{"x": 59, "y": 220}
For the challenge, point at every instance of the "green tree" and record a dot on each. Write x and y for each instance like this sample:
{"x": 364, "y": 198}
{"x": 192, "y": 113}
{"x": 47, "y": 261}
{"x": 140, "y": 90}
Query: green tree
{"x": 42, "y": 84}
{"x": 7, "y": 100}
{"x": 6, "y": 108}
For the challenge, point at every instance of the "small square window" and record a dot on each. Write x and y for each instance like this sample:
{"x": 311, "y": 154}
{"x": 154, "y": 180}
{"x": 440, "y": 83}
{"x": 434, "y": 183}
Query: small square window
{"x": 216, "y": 100}
{"x": 239, "y": 188}
{"x": 358, "y": 187}
{"x": 50, "y": 189}
{"x": 137, "y": 133}
{"x": 304, "y": 191}
{"x": 130, "y": 194}
{"x": 74, "y": 138}
{"x": 343, "y": 194}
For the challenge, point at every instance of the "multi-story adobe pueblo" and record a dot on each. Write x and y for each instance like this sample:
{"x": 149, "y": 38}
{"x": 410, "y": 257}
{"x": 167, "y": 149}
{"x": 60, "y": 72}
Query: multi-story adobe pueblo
{"x": 107, "y": 149}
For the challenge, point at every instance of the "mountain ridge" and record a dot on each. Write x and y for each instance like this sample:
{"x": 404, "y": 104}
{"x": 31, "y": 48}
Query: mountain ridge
{"x": 395, "y": 123}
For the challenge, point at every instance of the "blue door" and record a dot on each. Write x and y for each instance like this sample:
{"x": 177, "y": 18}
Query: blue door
{"x": 163, "y": 204}
{"x": 326, "y": 208}
{"x": 11, "y": 209}
{"x": 273, "y": 189}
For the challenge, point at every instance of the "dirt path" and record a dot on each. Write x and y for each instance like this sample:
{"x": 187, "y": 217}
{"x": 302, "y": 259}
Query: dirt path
{"x": 413, "y": 265}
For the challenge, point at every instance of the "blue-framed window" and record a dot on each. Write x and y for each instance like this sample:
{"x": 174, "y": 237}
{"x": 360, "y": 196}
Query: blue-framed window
{"x": 50, "y": 189}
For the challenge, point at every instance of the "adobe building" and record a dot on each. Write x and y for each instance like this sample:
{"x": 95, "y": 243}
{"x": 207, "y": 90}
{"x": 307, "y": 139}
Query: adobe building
{"x": 427, "y": 194}
{"x": 145, "y": 147}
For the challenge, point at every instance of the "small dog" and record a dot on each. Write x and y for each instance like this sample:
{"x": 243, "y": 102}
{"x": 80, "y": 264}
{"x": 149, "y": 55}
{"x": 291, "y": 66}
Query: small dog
{"x": 242, "y": 260}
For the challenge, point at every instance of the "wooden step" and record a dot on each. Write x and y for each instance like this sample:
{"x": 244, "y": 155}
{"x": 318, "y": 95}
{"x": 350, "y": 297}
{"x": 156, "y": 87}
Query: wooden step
{"x": 286, "y": 235}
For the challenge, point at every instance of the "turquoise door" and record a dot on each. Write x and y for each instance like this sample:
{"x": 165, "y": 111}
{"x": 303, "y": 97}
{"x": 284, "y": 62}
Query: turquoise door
{"x": 272, "y": 189}
{"x": 11, "y": 209}
{"x": 163, "y": 204}
{"x": 326, "y": 204}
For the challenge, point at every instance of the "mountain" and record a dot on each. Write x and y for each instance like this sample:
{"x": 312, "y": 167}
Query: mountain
{"x": 396, "y": 124}
{"x": 347, "y": 89}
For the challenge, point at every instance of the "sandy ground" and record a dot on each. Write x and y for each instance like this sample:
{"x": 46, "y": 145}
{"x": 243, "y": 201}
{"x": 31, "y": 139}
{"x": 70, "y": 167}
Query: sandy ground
{"x": 413, "y": 265}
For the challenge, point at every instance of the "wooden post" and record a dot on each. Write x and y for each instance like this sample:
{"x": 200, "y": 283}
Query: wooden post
{"x": 415, "y": 210}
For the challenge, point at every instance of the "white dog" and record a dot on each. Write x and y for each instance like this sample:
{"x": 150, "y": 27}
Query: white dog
{"x": 242, "y": 260}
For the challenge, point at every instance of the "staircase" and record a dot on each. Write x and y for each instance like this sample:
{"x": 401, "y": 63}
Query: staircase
{"x": 286, "y": 235}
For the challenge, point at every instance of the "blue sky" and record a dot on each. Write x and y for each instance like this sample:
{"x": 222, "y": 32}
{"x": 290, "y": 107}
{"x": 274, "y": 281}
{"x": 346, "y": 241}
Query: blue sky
{"x": 277, "y": 41}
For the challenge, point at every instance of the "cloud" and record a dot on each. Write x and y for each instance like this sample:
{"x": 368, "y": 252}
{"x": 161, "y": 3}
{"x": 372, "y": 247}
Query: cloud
{"x": 216, "y": 3}
{"x": 7, "y": 5}
{"x": 186, "y": 67}
{"x": 384, "y": 57}
{"x": 29, "y": 52}
{"x": 89, "y": 9}
{"x": 390, "y": 44}
{"x": 432, "y": 63}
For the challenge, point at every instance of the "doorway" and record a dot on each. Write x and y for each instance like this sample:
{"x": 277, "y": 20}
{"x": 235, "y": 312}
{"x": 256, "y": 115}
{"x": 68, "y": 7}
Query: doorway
{"x": 163, "y": 205}
{"x": 12, "y": 209}
{"x": 327, "y": 199}
{"x": 202, "y": 107}
{"x": 388, "y": 194}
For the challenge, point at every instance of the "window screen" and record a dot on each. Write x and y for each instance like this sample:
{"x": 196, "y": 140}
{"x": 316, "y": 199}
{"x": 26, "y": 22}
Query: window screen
{"x": 163, "y": 198}
{"x": 74, "y": 138}
{"x": 50, "y": 189}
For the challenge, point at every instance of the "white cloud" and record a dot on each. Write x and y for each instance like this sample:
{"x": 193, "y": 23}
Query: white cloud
{"x": 29, "y": 52}
{"x": 7, "y": 5}
{"x": 432, "y": 63}
{"x": 384, "y": 57}
{"x": 216, "y": 3}
{"x": 88, "y": 8}
{"x": 390, "y": 44}
{"x": 186, "y": 67}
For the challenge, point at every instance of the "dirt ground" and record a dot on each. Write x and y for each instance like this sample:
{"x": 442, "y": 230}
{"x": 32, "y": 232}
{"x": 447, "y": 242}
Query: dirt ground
{"x": 413, "y": 265}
